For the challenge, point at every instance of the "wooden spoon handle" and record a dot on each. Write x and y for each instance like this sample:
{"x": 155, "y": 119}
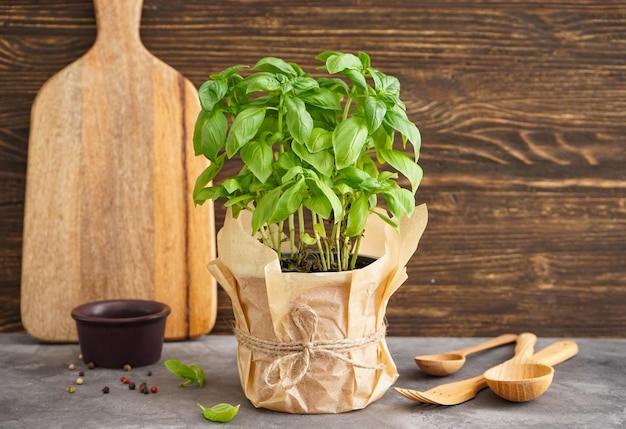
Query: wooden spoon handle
{"x": 556, "y": 353}
{"x": 525, "y": 346}
{"x": 494, "y": 342}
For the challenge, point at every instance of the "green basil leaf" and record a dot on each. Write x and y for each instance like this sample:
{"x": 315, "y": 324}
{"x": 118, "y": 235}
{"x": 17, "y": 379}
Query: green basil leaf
{"x": 400, "y": 201}
{"x": 264, "y": 209}
{"x": 197, "y": 132}
{"x": 385, "y": 84}
{"x": 343, "y": 188}
{"x": 275, "y": 65}
{"x": 399, "y": 122}
{"x": 199, "y": 374}
{"x": 226, "y": 73}
{"x": 209, "y": 193}
{"x": 323, "y": 56}
{"x": 299, "y": 120}
{"x": 289, "y": 201}
{"x": 265, "y": 82}
{"x": 375, "y": 111}
{"x": 206, "y": 176}
{"x": 211, "y": 92}
{"x": 192, "y": 373}
{"x": 354, "y": 176}
{"x": 319, "y": 140}
{"x": 383, "y": 137}
{"x": 349, "y": 138}
{"x": 332, "y": 199}
{"x": 320, "y": 230}
{"x": 359, "y": 179}
{"x": 179, "y": 369}
{"x": 258, "y": 158}
{"x": 365, "y": 60}
{"x": 319, "y": 205}
{"x": 307, "y": 239}
{"x": 244, "y": 128}
{"x": 405, "y": 165}
{"x": 323, "y": 98}
{"x": 291, "y": 173}
{"x": 321, "y": 161}
{"x": 357, "y": 217}
{"x": 303, "y": 83}
{"x": 367, "y": 164}
{"x": 221, "y": 413}
{"x": 339, "y": 62}
{"x": 286, "y": 161}
{"x": 240, "y": 200}
{"x": 357, "y": 78}
{"x": 391, "y": 222}
{"x": 211, "y": 132}
{"x": 334, "y": 84}
{"x": 231, "y": 185}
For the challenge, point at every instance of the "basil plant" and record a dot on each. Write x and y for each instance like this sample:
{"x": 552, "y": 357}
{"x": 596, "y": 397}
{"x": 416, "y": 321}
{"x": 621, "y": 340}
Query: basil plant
{"x": 318, "y": 154}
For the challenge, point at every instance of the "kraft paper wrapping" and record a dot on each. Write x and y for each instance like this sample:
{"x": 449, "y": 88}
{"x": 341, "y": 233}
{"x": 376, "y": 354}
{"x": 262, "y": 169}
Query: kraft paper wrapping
{"x": 312, "y": 343}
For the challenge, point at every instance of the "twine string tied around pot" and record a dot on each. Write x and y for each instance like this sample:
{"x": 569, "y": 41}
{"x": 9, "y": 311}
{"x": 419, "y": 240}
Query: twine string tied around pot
{"x": 297, "y": 355}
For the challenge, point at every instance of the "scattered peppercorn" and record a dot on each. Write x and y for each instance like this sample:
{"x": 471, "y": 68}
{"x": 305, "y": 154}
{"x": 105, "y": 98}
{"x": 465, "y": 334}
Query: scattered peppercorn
{"x": 131, "y": 386}
{"x": 91, "y": 365}
{"x": 79, "y": 381}
{"x": 124, "y": 380}
{"x": 71, "y": 366}
{"x": 126, "y": 368}
{"x": 71, "y": 389}
{"x": 81, "y": 373}
{"x": 143, "y": 388}
{"x": 154, "y": 389}
{"x": 149, "y": 374}
{"x": 80, "y": 356}
{"x": 105, "y": 389}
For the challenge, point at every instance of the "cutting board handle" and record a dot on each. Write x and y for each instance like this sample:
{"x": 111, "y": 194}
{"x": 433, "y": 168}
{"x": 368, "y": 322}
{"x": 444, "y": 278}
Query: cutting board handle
{"x": 118, "y": 21}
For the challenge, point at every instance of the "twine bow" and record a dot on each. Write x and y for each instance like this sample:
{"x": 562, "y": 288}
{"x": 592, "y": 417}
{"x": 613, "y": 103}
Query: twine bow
{"x": 297, "y": 356}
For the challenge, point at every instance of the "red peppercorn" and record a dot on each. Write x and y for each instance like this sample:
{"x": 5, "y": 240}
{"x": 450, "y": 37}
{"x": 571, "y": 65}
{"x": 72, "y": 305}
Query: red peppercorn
{"x": 154, "y": 389}
{"x": 124, "y": 380}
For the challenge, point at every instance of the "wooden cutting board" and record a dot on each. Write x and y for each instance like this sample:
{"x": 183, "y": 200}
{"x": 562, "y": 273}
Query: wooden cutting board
{"x": 108, "y": 210}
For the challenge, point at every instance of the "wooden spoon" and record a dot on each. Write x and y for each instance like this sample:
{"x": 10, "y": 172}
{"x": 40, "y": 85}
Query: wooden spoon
{"x": 520, "y": 379}
{"x": 464, "y": 390}
{"x": 449, "y": 363}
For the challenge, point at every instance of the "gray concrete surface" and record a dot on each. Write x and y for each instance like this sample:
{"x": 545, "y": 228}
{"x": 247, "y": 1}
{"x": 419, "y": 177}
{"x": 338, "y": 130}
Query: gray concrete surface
{"x": 588, "y": 391}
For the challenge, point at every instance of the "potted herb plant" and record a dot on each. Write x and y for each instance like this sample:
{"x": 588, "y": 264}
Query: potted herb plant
{"x": 324, "y": 162}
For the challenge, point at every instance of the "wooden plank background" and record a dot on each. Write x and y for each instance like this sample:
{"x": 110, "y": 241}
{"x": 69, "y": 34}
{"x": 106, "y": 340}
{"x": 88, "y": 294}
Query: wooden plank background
{"x": 522, "y": 107}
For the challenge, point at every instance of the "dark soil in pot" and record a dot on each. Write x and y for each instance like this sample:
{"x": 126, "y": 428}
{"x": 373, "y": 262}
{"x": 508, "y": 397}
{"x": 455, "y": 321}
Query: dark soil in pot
{"x": 310, "y": 263}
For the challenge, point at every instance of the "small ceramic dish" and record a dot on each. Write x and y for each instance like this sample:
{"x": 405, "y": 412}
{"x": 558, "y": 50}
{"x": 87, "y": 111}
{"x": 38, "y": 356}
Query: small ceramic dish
{"x": 114, "y": 333}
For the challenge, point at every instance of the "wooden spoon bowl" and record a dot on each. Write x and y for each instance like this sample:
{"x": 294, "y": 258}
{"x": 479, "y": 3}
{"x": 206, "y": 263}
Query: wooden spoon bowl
{"x": 448, "y": 363}
{"x": 521, "y": 378}
{"x": 440, "y": 364}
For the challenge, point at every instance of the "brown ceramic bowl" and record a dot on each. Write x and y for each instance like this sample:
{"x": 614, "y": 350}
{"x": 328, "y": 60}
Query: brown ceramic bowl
{"x": 114, "y": 333}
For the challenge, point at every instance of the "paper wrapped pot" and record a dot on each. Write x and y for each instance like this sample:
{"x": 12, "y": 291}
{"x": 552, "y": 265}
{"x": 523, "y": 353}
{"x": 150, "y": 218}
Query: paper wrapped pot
{"x": 314, "y": 342}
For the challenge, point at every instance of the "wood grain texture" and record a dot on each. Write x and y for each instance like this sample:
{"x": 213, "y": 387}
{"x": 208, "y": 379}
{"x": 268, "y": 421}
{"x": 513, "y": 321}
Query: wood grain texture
{"x": 108, "y": 213}
{"x": 522, "y": 108}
